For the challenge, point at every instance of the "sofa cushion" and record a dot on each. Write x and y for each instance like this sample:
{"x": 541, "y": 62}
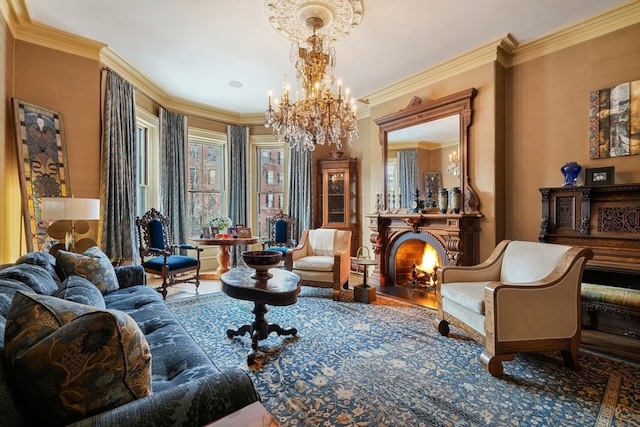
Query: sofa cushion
{"x": 93, "y": 265}
{"x": 470, "y": 295}
{"x": 35, "y": 277}
{"x": 177, "y": 358}
{"x": 44, "y": 260}
{"x": 314, "y": 263}
{"x": 80, "y": 290}
{"x": 70, "y": 361}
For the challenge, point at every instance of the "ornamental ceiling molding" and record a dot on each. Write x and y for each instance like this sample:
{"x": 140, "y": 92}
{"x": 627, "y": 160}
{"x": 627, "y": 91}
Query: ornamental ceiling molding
{"x": 290, "y": 17}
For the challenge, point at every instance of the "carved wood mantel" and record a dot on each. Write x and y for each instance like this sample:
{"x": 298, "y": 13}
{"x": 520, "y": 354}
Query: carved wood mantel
{"x": 458, "y": 235}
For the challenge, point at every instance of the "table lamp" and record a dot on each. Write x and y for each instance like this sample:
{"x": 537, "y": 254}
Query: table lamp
{"x": 70, "y": 208}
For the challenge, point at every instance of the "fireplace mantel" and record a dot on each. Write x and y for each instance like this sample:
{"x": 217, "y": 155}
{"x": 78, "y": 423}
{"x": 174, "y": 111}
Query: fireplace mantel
{"x": 458, "y": 235}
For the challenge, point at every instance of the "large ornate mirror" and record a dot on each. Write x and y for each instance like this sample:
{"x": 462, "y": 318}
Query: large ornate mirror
{"x": 425, "y": 147}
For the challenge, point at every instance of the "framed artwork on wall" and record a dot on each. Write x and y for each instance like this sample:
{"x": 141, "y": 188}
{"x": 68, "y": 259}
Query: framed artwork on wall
{"x": 614, "y": 112}
{"x": 432, "y": 182}
{"x": 43, "y": 165}
{"x": 599, "y": 176}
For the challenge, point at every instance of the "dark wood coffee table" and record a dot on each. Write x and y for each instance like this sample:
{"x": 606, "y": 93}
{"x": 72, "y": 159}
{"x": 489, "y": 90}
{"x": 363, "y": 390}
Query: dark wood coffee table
{"x": 280, "y": 290}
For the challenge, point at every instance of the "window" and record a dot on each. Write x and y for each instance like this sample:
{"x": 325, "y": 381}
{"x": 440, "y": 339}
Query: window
{"x": 147, "y": 175}
{"x": 206, "y": 186}
{"x": 270, "y": 183}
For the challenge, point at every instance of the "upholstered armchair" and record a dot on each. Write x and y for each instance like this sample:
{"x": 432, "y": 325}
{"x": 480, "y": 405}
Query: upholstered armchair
{"x": 281, "y": 234}
{"x": 159, "y": 254}
{"x": 322, "y": 258}
{"x": 524, "y": 298}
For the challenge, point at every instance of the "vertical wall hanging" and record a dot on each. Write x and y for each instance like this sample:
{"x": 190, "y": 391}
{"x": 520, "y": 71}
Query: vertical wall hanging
{"x": 614, "y": 121}
{"x": 43, "y": 165}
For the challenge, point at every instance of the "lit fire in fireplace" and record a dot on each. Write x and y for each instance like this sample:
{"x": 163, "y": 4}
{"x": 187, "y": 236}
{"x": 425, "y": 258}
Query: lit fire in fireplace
{"x": 424, "y": 275}
{"x": 430, "y": 260}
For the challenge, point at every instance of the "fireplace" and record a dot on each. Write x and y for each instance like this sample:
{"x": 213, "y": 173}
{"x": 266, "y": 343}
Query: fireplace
{"x": 414, "y": 250}
{"x": 456, "y": 238}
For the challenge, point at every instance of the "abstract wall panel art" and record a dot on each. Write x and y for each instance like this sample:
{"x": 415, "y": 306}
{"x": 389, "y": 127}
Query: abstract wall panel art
{"x": 614, "y": 121}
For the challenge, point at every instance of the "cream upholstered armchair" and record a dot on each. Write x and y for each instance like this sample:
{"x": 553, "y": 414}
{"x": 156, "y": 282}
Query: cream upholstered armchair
{"x": 322, "y": 258}
{"x": 525, "y": 297}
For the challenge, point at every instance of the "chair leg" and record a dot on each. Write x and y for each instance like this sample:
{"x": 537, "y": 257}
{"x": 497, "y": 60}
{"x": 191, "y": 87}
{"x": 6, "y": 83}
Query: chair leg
{"x": 443, "y": 328}
{"x": 492, "y": 363}
{"x": 165, "y": 285}
{"x": 336, "y": 294}
{"x": 570, "y": 357}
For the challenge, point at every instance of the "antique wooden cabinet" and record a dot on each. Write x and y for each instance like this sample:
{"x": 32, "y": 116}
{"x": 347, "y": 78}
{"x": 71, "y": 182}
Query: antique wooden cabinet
{"x": 337, "y": 202}
{"x": 605, "y": 219}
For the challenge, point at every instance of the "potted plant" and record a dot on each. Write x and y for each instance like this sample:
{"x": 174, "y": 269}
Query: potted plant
{"x": 219, "y": 223}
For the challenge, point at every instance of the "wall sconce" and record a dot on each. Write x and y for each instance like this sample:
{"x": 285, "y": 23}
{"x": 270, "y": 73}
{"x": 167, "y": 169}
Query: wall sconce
{"x": 454, "y": 163}
{"x": 69, "y": 209}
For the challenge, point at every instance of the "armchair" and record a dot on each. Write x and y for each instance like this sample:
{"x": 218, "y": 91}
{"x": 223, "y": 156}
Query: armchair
{"x": 281, "y": 234}
{"x": 524, "y": 298}
{"x": 322, "y": 258}
{"x": 157, "y": 252}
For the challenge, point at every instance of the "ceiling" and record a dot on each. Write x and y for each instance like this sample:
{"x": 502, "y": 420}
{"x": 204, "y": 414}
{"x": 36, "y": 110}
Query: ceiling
{"x": 196, "y": 49}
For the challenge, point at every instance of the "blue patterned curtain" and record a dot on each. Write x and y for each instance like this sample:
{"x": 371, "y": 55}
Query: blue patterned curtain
{"x": 407, "y": 176}
{"x": 238, "y": 142}
{"x": 300, "y": 189}
{"x": 117, "y": 229}
{"x": 173, "y": 200}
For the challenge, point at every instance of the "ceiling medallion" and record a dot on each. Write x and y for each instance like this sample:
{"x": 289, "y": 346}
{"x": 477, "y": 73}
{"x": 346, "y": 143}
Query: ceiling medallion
{"x": 290, "y": 17}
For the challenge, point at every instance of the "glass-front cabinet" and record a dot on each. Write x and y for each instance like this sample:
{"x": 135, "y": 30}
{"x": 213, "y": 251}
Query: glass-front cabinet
{"x": 337, "y": 206}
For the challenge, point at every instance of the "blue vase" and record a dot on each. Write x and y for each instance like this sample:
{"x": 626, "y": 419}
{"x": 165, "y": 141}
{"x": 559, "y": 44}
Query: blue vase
{"x": 570, "y": 170}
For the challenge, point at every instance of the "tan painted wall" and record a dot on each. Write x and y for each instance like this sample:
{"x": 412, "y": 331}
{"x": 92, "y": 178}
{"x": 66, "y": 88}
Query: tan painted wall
{"x": 548, "y": 120}
{"x": 11, "y": 230}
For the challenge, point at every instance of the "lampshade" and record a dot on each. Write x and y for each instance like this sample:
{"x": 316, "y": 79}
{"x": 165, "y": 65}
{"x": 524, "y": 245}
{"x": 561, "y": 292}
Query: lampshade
{"x": 69, "y": 208}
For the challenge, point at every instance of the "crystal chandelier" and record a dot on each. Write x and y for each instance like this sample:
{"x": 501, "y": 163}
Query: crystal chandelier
{"x": 318, "y": 116}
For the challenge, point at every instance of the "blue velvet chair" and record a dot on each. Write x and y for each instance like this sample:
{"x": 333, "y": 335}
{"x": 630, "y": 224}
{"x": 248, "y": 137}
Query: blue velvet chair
{"x": 281, "y": 234}
{"x": 158, "y": 252}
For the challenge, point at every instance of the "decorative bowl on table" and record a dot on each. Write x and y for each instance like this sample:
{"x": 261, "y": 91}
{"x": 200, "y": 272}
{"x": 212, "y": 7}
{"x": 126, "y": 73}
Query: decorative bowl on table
{"x": 261, "y": 261}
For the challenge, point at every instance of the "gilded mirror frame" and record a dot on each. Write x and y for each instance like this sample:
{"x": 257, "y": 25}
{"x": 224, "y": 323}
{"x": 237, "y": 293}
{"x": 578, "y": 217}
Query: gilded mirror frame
{"x": 420, "y": 111}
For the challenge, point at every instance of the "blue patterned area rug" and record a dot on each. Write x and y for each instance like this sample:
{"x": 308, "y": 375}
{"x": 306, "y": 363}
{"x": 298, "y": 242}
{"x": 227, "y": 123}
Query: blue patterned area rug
{"x": 385, "y": 364}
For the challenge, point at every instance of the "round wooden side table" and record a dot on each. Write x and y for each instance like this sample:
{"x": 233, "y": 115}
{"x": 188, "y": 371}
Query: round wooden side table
{"x": 280, "y": 290}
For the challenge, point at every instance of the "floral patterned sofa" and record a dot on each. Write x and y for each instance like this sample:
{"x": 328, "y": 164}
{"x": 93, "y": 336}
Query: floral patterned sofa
{"x": 100, "y": 348}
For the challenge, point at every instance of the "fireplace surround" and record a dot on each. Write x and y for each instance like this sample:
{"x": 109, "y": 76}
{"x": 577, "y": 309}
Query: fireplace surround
{"x": 456, "y": 237}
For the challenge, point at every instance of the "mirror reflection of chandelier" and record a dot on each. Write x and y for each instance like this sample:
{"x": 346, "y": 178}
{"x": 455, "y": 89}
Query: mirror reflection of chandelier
{"x": 318, "y": 116}
{"x": 454, "y": 164}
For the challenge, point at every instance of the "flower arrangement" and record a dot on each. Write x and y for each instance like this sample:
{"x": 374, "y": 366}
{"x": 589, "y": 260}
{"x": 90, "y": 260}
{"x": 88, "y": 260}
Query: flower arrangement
{"x": 221, "y": 222}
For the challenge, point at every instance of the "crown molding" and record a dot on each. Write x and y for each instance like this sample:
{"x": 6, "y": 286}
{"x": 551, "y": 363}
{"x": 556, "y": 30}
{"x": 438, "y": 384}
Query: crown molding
{"x": 504, "y": 50}
{"x": 23, "y": 28}
{"x": 495, "y": 50}
{"x": 616, "y": 18}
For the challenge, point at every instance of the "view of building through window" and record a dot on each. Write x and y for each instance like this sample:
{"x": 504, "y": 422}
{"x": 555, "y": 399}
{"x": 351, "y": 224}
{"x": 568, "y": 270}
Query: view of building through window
{"x": 271, "y": 166}
{"x": 205, "y": 192}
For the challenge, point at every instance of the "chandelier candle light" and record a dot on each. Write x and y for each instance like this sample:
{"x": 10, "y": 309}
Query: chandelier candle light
{"x": 317, "y": 116}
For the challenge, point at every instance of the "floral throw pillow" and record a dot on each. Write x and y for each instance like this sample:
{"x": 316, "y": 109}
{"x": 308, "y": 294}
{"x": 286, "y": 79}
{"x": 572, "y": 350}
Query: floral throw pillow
{"x": 93, "y": 265}
{"x": 70, "y": 361}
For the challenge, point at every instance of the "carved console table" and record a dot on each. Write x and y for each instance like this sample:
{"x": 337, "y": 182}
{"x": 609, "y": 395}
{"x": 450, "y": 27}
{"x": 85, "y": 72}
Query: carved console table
{"x": 456, "y": 235}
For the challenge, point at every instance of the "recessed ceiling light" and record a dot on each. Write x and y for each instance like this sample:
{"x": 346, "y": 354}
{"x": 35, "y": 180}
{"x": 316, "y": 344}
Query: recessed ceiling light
{"x": 235, "y": 83}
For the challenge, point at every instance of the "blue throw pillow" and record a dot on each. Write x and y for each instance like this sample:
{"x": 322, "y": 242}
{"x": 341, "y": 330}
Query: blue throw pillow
{"x": 35, "y": 277}
{"x": 80, "y": 290}
{"x": 93, "y": 265}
